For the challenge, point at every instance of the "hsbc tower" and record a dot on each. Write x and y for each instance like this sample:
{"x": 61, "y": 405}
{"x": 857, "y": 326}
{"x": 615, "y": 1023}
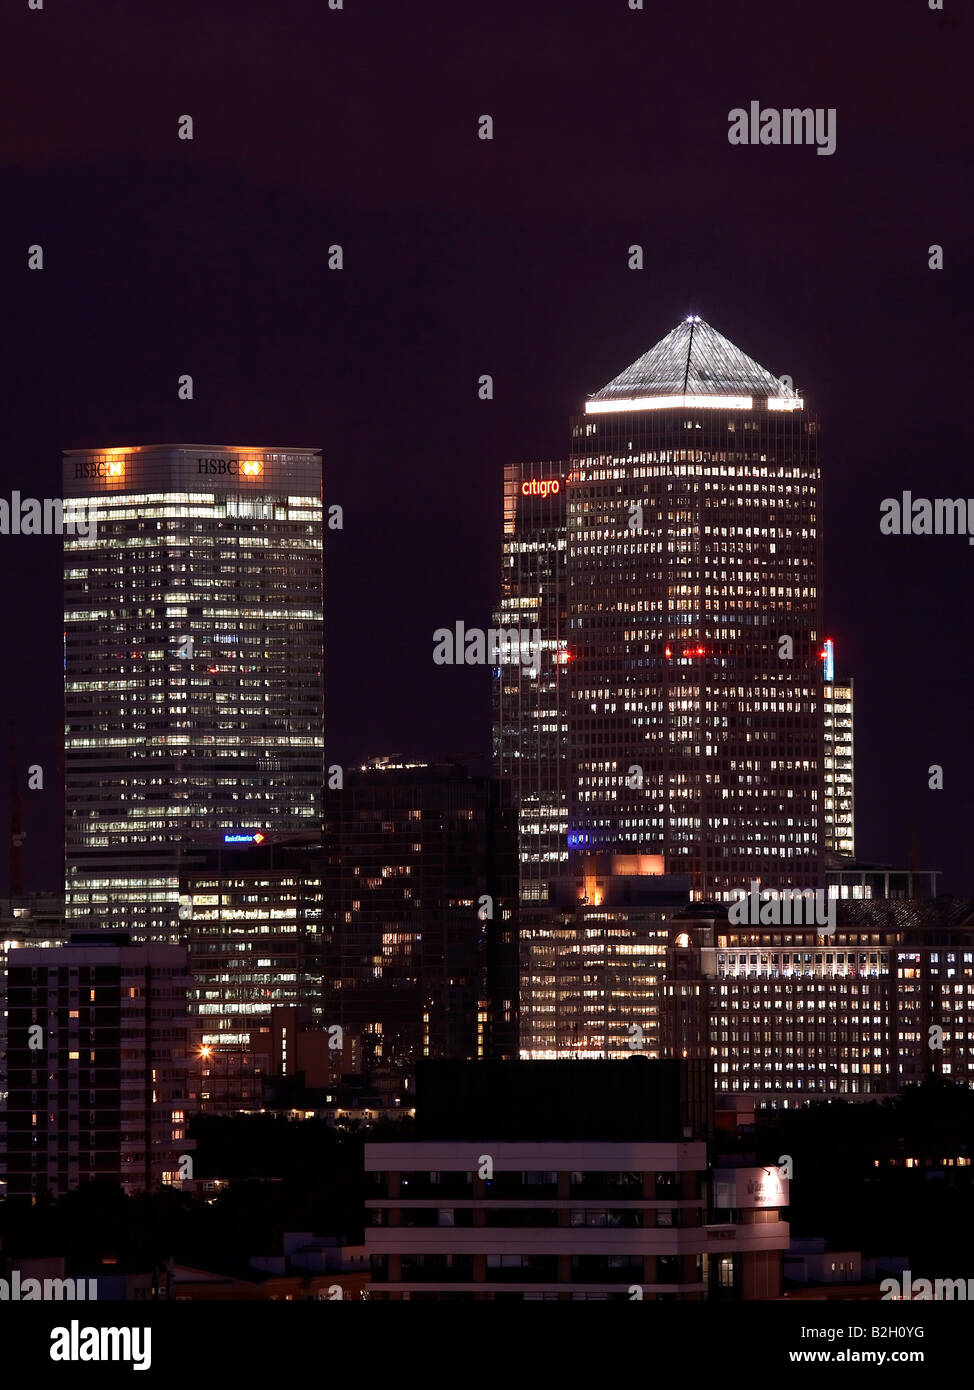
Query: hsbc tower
{"x": 193, "y": 650}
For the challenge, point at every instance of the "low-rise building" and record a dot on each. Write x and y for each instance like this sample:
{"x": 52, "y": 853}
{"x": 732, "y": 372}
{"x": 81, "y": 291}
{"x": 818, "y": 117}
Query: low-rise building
{"x": 569, "y": 1180}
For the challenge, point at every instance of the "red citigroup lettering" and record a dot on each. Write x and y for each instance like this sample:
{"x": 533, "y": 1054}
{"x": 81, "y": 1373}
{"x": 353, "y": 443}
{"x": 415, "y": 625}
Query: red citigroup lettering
{"x": 536, "y": 488}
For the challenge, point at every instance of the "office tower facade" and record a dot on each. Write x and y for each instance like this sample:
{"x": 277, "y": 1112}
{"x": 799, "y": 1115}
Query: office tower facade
{"x": 251, "y": 917}
{"x": 192, "y": 665}
{"x": 788, "y": 1015}
{"x": 420, "y": 886}
{"x": 592, "y": 960}
{"x": 530, "y": 711}
{"x": 98, "y": 1049}
{"x": 693, "y": 684}
{"x": 840, "y": 801}
{"x": 599, "y": 1180}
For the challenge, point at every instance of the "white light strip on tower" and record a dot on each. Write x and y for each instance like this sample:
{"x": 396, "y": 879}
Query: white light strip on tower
{"x": 669, "y": 403}
{"x": 785, "y": 403}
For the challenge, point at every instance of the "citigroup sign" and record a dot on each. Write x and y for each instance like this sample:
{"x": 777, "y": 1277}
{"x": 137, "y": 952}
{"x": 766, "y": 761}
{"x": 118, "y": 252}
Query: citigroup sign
{"x": 540, "y": 487}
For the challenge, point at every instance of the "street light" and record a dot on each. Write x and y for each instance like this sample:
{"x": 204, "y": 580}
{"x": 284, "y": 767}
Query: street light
{"x": 203, "y": 1054}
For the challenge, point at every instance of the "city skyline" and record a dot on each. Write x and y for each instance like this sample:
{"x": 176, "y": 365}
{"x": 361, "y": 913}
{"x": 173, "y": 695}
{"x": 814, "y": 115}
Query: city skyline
{"x": 419, "y": 747}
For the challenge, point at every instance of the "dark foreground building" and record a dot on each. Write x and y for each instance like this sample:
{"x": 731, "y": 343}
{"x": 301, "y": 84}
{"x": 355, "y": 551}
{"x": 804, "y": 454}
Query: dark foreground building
{"x": 97, "y": 1045}
{"x": 569, "y": 1180}
{"x": 420, "y": 889}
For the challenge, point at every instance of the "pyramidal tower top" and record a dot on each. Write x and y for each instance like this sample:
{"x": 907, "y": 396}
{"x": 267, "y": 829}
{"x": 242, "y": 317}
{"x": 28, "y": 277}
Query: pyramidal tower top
{"x": 694, "y": 365}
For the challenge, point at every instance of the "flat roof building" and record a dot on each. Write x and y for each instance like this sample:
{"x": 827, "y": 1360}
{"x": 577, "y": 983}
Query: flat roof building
{"x": 840, "y": 801}
{"x": 569, "y": 1181}
{"x": 420, "y": 889}
{"x": 592, "y": 959}
{"x": 192, "y": 665}
{"x": 789, "y": 1014}
{"x": 98, "y": 1036}
{"x": 251, "y": 916}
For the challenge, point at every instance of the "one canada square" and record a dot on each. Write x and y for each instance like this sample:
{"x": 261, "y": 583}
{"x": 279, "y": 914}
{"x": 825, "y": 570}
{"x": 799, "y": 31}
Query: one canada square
{"x": 672, "y": 565}
{"x": 192, "y": 667}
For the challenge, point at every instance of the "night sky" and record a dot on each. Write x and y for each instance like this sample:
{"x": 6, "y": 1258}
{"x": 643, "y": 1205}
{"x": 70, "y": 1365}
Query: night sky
{"x": 508, "y": 257}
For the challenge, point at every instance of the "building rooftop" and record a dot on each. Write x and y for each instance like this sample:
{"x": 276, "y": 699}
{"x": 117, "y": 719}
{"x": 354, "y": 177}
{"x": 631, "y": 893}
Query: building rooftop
{"x": 694, "y": 360}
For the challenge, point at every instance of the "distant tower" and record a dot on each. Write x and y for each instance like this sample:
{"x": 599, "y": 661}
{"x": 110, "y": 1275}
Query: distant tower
{"x": 840, "y": 826}
{"x": 530, "y": 707}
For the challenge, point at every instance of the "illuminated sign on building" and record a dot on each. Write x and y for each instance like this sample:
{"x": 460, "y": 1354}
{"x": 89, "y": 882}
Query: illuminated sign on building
{"x": 538, "y": 488}
{"x": 750, "y": 1188}
{"x": 250, "y": 467}
{"x": 250, "y": 838}
{"x": 828, "y": 656}
{"x": 88, "y": 468}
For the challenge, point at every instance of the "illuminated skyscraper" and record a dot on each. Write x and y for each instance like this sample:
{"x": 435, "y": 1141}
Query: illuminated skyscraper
{"x": 530, "y": 706}
{"x": 592, "y": 959}
{"x": 691, "y": 684}
{"x": 840, "y": 827}
{"x": 788, "y": 1014}
{"x": 193, "y": 666}
{"x": 251, "y": 918}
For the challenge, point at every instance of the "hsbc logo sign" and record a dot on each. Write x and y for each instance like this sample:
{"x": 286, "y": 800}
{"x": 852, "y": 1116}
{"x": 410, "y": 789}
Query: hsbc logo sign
{"x": 249, "y": 468}
{"x": 90, "y": 468}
